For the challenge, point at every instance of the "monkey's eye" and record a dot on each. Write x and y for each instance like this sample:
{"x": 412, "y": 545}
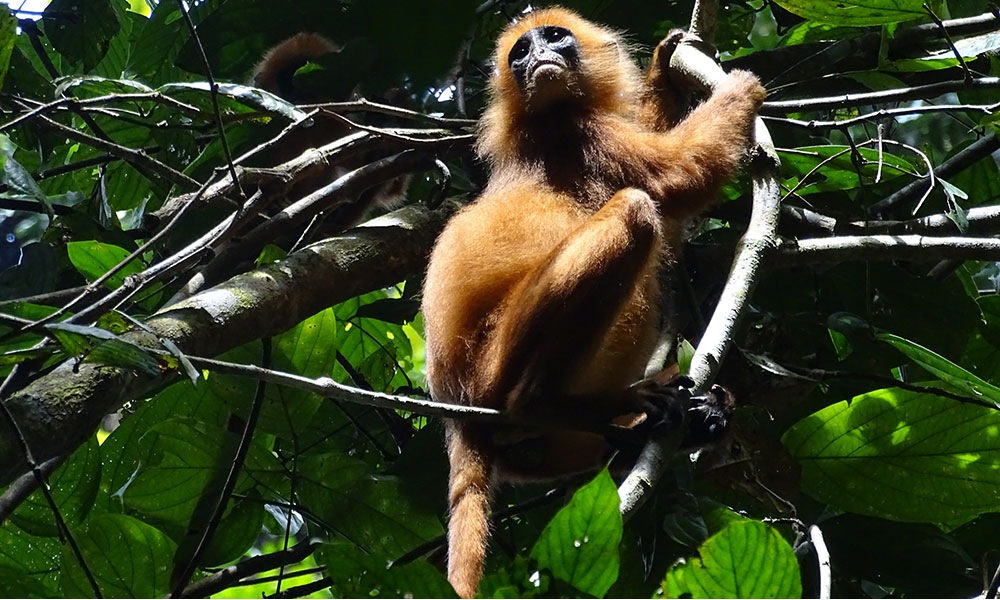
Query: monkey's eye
{"x": 520, "y": 50}
{"x": 553, "y": 34}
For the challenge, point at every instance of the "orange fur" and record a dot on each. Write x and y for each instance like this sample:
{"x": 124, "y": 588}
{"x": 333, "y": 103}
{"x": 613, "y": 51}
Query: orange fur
{"x": 541, "y": 298}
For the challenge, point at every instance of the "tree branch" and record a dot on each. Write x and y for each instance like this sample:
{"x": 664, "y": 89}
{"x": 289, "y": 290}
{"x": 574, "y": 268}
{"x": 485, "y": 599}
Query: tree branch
{"x": 61, "y": 409}
{"x": 759, "y": 239}
{"x": 886, "y": 247}
{"x": 918, "y": 92}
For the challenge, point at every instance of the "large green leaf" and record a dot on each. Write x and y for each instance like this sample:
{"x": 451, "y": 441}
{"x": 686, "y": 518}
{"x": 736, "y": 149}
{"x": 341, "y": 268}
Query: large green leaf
{"x": 950, "y": 373}
{"x": 307, "y": 349}
{"x": 93, "y": 259}
{"x": 901, "y": 455}
{"x": 370, "y": 510}
{"x": 580, "y": 544}
{"x": 747, "y": 559}
{"x": 87, "y": 36}
{"x": 128, "y": 558}
{"x": 355, "y": 573}
{"x": 74, "y": 486}
{"x": 856, "y": 13}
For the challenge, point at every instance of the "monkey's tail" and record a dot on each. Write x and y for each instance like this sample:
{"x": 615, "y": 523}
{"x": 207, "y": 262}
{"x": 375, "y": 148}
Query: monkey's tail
{"x": 469, "y": 496}
{"x": 275, "y": 70}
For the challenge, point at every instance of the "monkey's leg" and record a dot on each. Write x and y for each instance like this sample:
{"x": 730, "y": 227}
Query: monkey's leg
{"x": 555, "y": 319}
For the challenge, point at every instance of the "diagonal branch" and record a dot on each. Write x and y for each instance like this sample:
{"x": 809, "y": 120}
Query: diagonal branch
{"x": 759, "y": 239}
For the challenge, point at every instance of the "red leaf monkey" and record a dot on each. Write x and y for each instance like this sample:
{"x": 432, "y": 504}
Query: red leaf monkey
{"x": 541, "y": 298}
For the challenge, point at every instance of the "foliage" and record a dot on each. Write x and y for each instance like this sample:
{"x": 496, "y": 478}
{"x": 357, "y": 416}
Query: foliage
{"x": 868, "y": 371}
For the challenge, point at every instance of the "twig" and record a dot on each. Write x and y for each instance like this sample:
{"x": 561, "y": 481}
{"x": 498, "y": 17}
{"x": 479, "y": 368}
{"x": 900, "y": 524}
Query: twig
{"x": 957, "y": 163}
{"x": 227, "y": 577}
{"x": 328, "y": 388}
{"x": 951, "y": 44}
{"x": 136, "y": 158}
{"x": 919, "y": 92}
{"x": 887, "y": 112}
{"x": 214, "y": 89}
{"x": 227, "y": 488}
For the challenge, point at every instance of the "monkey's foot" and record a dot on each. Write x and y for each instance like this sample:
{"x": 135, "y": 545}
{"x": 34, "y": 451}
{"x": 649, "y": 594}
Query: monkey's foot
{"x": 708, "y": 416}
{"x": 671, "y": 404}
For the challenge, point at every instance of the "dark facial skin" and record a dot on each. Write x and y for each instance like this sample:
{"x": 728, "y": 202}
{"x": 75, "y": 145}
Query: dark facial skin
{"x": 549, "y": 48}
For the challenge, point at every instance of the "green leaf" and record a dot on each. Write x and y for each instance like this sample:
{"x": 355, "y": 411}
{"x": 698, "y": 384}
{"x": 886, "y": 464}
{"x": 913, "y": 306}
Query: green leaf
{"x": 901, "y": 455}
{"x": 123, "y": 453}
{"x": 128, "y": 558}
{"x": 189, "y": 459}
{"x": 307, "y": 350}
{"x": 747, "y": 559}
{"x": 856, "y": 13}
{"x": 93, "y": 259}
{"x": 371, "y": 511}
{"x": 120, "y": 353}
{"x": 8, "y": 28}
{"x": 87, "y": 36}
{"x": 22, "y": 185}
{"x": 357, "y": 574}
{"x": 580, "y": 544}
{"x": 953, "y": 375}
{"x": 240, "y": 526}
{"x": 74, "y": 487}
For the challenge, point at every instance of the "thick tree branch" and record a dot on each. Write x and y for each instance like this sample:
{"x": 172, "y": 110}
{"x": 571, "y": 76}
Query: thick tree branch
{"x": 60, "y": 410}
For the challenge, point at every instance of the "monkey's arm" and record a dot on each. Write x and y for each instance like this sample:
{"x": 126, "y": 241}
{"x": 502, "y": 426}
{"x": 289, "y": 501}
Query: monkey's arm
{"x": 688, "y": 163}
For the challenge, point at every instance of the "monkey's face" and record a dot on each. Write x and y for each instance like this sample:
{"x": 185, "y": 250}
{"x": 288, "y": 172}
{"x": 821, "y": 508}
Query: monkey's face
{"x": 544, "y": 62}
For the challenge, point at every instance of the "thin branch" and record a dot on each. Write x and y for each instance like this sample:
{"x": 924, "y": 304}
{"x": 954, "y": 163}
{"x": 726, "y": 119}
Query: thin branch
{"x": 363, "y": 105}
{"x": 304, "y": 590}
{"x": 886, "y": 247}
{"x": 214, "y": 94}
{"x": 70, "y": 102}
{"x": 22, "y": 487}
{"x": 987, "y": 109}
{"x": 136, "y": 158}
{"x": 951, "y": 43}
{"x": 328, "y": 388}
{"x": 227, "y": 488}
{"x": 229, "y": 576}
{"x": 757, "y": 242}
{"x": 957, "y": 163}
{"x": 919, "y": 92}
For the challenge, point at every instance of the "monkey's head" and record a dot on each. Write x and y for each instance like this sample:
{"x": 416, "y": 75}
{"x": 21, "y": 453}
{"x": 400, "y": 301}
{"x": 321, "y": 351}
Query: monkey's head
{"x": 553, "y": 61}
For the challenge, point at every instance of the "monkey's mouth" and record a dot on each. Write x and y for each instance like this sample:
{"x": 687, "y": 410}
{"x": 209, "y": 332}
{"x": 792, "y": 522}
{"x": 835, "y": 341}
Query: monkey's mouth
{"x": 547, "y": 68}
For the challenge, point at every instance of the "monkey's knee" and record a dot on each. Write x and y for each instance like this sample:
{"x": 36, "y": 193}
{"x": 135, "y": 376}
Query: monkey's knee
{"x": 641, "y": 218}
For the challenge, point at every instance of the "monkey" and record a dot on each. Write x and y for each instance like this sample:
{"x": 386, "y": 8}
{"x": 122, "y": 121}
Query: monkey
{"x": 540, "y": 298}
{"x": 275, "y": 73}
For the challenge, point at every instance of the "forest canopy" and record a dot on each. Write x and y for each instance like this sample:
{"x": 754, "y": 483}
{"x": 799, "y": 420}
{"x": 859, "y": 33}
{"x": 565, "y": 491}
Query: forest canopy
{"x": 212, "y": 366}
